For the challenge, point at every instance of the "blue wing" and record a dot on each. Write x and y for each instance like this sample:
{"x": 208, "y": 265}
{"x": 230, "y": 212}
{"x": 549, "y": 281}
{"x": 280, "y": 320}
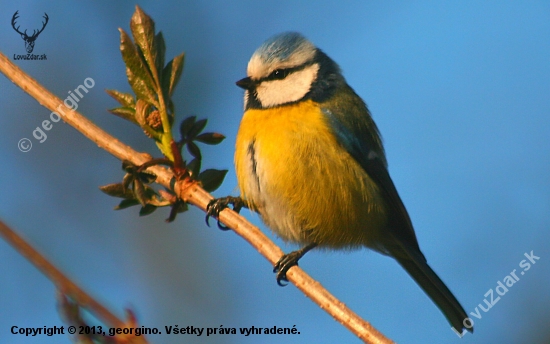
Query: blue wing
{"x": 357, "y": 133}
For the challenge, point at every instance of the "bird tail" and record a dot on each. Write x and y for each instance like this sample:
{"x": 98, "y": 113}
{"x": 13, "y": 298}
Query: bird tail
{"x": 417, "y": 267}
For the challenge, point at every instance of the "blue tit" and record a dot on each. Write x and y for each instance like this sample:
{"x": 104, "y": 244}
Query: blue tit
{"x": 309, "y": 159}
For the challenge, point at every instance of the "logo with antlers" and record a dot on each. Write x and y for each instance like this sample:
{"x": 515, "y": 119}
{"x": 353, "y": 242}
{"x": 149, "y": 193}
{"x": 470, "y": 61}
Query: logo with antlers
{"x": 29, "y": 40}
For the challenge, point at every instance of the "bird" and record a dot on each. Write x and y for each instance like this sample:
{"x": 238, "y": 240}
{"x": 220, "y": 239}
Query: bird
{"x": 310, "y": 160}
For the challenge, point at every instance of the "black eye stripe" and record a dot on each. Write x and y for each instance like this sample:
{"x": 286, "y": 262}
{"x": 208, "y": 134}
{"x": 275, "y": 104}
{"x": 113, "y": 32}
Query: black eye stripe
{"x": 280, "y": 74}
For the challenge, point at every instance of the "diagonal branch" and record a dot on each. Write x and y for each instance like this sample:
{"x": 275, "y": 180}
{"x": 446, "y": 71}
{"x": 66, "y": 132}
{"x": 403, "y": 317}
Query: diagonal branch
{"x": 62, "y": 282}
{"x": 191, "y": 192}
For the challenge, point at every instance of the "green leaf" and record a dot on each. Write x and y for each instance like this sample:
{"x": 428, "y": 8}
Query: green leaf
{"x": 139, "y": 192}
{"x": 212, "y": 179}
{"x": 182, "y": 206}
{"x": 194, "y": 166}
{"x": 125, "y": 99}
{"x": 143, "y": 31}
{"x": 171, "y": 73}
{"x": 138, "y": 74}
{"x": 128, "y": 166}
{"x": 197, "y": 128}
{"x": 171, "y": 110}
{"x": 210, "y": 138}
{"x": 194, "y": 150}
{"x": 126, "y": 203}
{"x": 186, "y": 126}
{"x": 127, "y": 113}
{"x": 158, "y": 203}
{"x": 160, "y": 48}
{"x": 142, "y": 109}
{"x": 117, "y": 190}
{"x": 178, "y": 207}
{"x": 127, "y": 180}
{"x": 146, "y": 210}
{"x": 150, "y": 193}
{"x": 147, "y": 177}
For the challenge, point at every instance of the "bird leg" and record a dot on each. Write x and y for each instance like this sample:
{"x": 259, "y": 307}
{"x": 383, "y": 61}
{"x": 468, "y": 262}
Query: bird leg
{"x": 216, "y": 205}
{"x": 289, "y": 260}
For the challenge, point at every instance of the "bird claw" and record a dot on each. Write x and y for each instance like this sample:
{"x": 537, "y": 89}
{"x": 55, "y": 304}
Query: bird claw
{"x": 289, "y": 260}
{"x": 215, "y": 206}
{"x": 284, "y": 264}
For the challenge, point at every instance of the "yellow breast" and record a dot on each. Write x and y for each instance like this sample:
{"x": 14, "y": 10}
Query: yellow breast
{"x": 304, "y": 184}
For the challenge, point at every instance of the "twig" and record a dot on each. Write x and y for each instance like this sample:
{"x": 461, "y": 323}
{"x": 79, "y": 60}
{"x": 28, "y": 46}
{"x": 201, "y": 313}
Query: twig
{"x": 191, "y": 192}
{"x": 63, "y": 283}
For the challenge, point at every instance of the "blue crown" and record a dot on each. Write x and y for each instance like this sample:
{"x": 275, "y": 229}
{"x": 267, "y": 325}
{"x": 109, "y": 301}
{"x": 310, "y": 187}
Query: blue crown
{"x": 280, "y": 47}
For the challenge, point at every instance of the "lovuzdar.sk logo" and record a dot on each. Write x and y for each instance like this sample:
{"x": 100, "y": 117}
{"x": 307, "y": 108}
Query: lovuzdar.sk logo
{"x": 29, "y": 40}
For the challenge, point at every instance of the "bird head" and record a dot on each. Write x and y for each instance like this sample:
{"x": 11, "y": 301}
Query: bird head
{"x": 285, "y": 69}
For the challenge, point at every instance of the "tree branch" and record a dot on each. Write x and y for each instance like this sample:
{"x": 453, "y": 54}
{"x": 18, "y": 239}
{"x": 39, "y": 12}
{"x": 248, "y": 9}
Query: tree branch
{"x": 191, "y": 192}
{"x": 62, "y": 282}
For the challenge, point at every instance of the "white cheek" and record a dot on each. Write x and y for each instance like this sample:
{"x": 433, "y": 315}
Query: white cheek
{"x": 292, "y": 88}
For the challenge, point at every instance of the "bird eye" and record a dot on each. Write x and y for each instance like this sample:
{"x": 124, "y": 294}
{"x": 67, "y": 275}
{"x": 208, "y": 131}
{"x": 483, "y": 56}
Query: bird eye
{"x": 278, "y": 74}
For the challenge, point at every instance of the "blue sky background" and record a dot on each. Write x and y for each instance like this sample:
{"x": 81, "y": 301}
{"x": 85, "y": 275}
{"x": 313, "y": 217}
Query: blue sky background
{"x": 459, "y": 90}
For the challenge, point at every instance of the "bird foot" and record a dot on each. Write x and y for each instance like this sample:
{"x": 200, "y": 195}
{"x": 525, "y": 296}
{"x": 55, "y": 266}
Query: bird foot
{"x": 289, "y": 260}
{"x": 216, "y": 205}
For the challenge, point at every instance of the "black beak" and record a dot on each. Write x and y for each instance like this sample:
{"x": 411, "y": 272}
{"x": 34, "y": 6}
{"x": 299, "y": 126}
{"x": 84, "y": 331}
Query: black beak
{"x": 245, "y": 83}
